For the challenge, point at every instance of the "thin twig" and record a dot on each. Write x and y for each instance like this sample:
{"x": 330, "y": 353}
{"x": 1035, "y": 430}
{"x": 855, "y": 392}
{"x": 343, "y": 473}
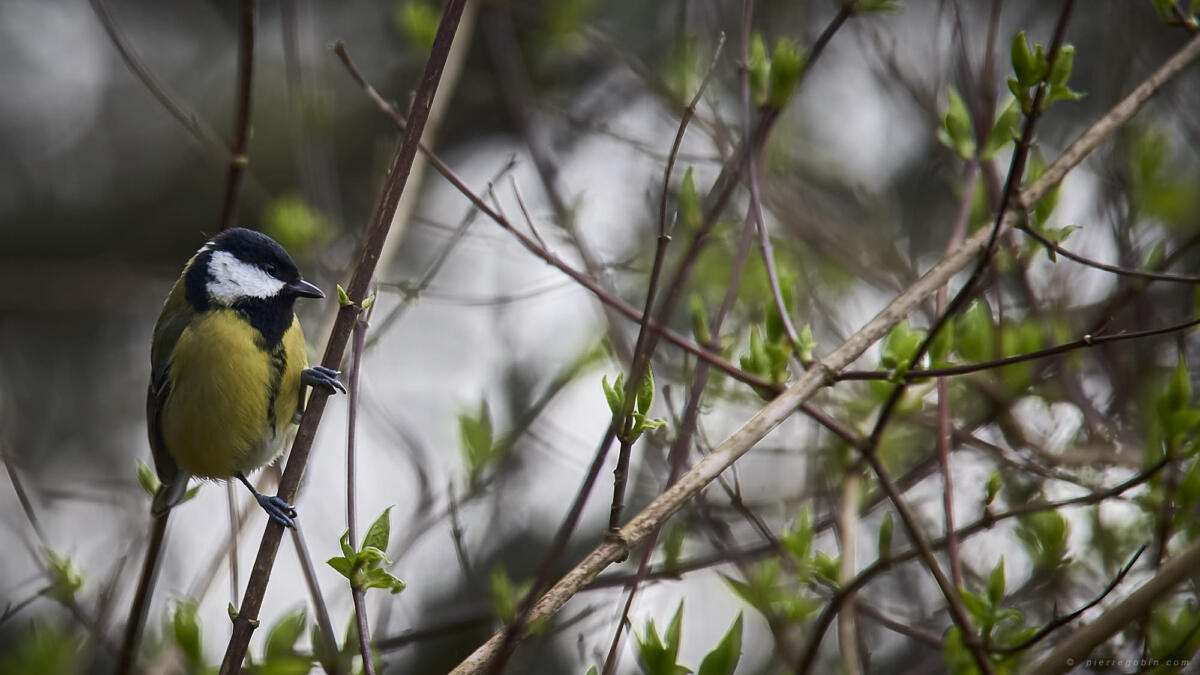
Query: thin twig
{"x": 957, "y": 232}
{"x": 1115, "y": 269}
{"x": 358, "y": 343}
{"x": 324, "y": 624}
{"x": 235, "y": 527}
{"x": 364, "y": 269}
{"x": 1082, "y": 343}
{"x": 1059, "y": 622}
{"x": 241, "y": 126}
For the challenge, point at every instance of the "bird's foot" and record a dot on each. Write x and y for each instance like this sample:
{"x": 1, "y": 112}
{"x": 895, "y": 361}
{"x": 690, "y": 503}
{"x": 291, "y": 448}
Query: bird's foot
{"x": 322, "y": 378}
{"x": 277, "y": 509}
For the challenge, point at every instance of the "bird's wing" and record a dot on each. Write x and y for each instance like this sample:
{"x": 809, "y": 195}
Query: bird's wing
{"x": 171, "y": 324}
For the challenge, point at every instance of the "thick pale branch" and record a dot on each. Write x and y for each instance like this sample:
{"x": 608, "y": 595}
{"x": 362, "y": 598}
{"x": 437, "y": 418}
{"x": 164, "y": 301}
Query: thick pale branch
{"x": 799, "y": 392}
{"x": 1075, "y": 648}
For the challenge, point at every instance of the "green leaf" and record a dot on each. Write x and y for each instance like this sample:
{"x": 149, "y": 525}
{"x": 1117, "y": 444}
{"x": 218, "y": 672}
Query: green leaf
{"x": 690, "y": 213}
{"x": 1020, "y": 95}
{"x": 478, "y": 441}
{"x": 723, "y": 659}
{"x": 996, "y": 583}
{"x": 344, "y": 566}
{"x": 797, "y": 540}
{"x": 1025, "y": 66}
{"x": 683, "y": 68}
{"x": 1045, "y": 536}
{"x": 191, "y": 493}
{"x": 805, "y": 344}
{"x": 885, "y": 536}
{"x": 378, "y": 533}
{"x": 614, "y": 394}
{"x": 417, "y": 22}
{"x": 867, "y": 6}
{"x": 146, "y": 478}
{"x": 760, "y": 70}
{"x": 977, "y": 606}
{"x": 787, "y": 64}
{"x": 993, "y": 488}
{"x": 1057, "y": 94}
{"x": 344, "y": 543}
{"x": 645, "y": 395}
{"x": 955, "y": 131}
{"x": 959, "y": 660}
{"x": 343, "y": 298}
{"x": 827, "y": 566}
{"x": 795, "y": 608}
{"x": 186, "y": 629}
{"x": 381, "y": 578}
{"x": 299, "y": 229}
{"x": 282, "y": 639}
{"x": 672, "y": 544}
{"x": 975, "y": 334}
{"x": 45, "y": 648}
{"x": 65, "y": 578}
{"x": 939, "y": 349}
{"x": 658, "y": 655}
{"x": 1005, "y": 129}
{"x": 366, "y": 304}
{"x": 674, "y": 632}
{"x": 900, "y": 345}
{"x": 369, "y": 557}
{"x": 1064, "y": 61}
{"x": 503, "y": 595}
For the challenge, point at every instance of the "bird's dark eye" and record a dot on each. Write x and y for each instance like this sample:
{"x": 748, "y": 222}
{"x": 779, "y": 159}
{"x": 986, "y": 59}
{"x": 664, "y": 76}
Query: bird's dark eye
{"x": 272, "y": 269}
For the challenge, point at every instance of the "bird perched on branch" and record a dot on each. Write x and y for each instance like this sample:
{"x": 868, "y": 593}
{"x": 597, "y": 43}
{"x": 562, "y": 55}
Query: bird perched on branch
{"x": 228, "y": 373}
{"x": 228, "y": 367}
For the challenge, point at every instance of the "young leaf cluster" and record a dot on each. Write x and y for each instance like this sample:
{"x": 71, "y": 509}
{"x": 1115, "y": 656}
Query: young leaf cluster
{"x": 774, "y": 78}
{"x": 1032, "y": 66}
{"x": 782, "y": 598}
{"x": 999, "y": 626}
{"x": 615, "y": 395}
{"x": 366, "y": 567}
{"x": 658, "y": 655}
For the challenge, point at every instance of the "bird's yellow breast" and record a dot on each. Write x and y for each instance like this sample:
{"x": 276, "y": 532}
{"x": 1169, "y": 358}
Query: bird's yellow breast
{"x": 231, "y": 399}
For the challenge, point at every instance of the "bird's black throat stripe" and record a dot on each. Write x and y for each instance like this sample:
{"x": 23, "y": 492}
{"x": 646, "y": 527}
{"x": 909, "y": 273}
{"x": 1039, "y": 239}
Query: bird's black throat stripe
{"x": 271, "y": 317}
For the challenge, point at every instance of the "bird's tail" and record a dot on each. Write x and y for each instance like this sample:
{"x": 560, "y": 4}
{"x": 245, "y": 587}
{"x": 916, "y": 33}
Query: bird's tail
{"x": 169, "y": 494}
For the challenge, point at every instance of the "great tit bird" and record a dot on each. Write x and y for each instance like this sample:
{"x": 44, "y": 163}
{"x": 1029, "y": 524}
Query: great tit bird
{"x": 228, "y": 367}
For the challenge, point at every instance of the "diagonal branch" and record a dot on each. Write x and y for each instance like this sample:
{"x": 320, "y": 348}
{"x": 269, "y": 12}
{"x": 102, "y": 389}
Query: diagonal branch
{"x": 364, "y": 269}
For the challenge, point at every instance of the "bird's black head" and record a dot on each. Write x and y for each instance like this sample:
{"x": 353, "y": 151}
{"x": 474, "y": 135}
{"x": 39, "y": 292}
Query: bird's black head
{"x": 247, "y": 271}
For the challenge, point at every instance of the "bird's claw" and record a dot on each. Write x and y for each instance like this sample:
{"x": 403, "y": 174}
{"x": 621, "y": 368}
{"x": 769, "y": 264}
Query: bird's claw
{"x": 278, "y": 510}
{"x": 324, "y": 378}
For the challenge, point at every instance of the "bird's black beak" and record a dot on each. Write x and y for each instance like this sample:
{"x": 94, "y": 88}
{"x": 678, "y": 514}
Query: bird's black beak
{"x": 303, "y": 289}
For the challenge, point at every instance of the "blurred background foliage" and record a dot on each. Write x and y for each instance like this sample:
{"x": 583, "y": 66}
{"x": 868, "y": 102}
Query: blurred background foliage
{"x": 482, "y": 397}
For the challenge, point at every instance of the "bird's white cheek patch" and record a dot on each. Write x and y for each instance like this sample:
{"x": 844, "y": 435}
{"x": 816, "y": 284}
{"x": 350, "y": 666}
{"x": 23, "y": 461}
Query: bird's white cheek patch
{"x": 231, "y": 279}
